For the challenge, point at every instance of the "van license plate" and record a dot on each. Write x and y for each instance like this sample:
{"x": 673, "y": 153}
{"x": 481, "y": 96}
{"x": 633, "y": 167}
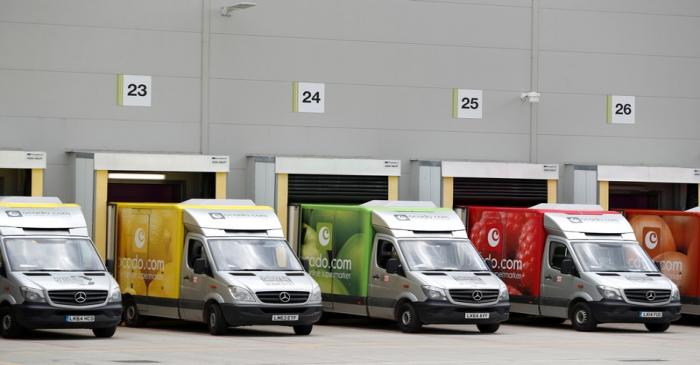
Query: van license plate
{"x": 651, "y": 314}
{"x": 476, "y": 315}
{"x": 79, "y": 319}
{"x": 285, "y": 317}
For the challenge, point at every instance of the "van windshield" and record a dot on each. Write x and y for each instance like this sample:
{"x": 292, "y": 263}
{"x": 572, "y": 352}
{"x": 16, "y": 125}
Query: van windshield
{"x": 253, "y": 255}
{"x": 52, "y": 254}
{"x": 613, "y": 257}
{"x": 441, "y": 255}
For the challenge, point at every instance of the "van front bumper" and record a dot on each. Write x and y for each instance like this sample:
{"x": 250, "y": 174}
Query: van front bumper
{"x": 439, "y": 312}
{"x": 236, "y": 315}
{"x": 44, "y": 316}
{"x": 608, "y": 311}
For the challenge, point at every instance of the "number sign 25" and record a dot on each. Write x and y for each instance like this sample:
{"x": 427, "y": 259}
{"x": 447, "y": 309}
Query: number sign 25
{"x": 467, "y": 104}
{"x": 308, "y": 97}
{"x": 133, "y": 90}
{"x": 620, "y": 109}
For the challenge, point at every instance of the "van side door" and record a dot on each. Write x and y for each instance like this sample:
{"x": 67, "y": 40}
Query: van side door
{"x": 384, "y": 288}
{"x": 556, "y": 287}
{"x": 193, "y": 287}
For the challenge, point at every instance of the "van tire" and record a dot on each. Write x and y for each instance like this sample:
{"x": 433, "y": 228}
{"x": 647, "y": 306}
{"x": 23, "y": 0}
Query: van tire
{"x": 302, "y": 329}
{"x": 488, "y": 327}
{"x": 214, "y": 317}
{"x": 582, "y": 317}
{"x": 9, "y": 327}
{"x": 657, "y": 327}
{"x": 131, "y": 316}
{"x": 407, "y": 318}
{"x": 105, "y": 332}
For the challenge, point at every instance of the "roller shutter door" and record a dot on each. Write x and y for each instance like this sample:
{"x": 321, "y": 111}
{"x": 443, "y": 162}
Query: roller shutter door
{"x": 345, "y": 189}
{"x": 499, "y": 192}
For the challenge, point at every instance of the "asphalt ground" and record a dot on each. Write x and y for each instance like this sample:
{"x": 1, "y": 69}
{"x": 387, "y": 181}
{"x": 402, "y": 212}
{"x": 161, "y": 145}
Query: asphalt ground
{"x": 343, "y": 341}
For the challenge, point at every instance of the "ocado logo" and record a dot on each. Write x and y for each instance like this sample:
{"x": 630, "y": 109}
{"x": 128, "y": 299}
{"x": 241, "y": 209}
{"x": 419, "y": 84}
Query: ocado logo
{"x": 651, "y": 239}
{"x": 494, "y": 237}
{"x": 139, "y": 238}
{"x": 324, "y": 236}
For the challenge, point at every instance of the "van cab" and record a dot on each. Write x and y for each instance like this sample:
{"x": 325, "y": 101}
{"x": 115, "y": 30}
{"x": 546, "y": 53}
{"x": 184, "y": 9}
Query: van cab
{"x": 50, "y": 273}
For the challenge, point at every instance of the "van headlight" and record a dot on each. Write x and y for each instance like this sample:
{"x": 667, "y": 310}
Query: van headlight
{"x": 33, "y": 295}
{"x": 609, "y": 292}
{"x": 315, "y": 297}
{"x": 116, "y": 295}
{"x": 675, "y": 294}
{"x": 241, "y": 295}
{"x": 503, "y": 295}
{"x": 434, "y": 293}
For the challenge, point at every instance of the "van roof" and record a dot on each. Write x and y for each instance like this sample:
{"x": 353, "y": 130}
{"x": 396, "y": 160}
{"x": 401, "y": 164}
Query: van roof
{"x": 40, "y": 213}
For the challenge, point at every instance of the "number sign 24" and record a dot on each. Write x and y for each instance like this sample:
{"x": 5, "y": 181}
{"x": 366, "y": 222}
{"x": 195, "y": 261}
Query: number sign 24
{"x": 308, "y": 97}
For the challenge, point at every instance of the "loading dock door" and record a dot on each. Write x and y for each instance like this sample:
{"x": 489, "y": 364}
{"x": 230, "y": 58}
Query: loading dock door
{"x": 337, "y": 189}
{"x": 499, "y": 192}
{"x": 22, "y": 173}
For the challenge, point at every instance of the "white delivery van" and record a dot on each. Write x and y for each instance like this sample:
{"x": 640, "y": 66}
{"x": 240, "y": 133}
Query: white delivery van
{"x": 50, "y": 272}
{"x": 222, "y": 262}
{"x": 400, "y": 260}
{"x": 575, "y": 262}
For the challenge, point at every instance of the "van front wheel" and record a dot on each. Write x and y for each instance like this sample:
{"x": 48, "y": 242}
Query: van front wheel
{"x": 8, "y": 324}
{"x": 582, "y": 317}
{"x": 216, "y": 323}
{"x": 106, "y": 332}
{"x": 408, "y": 319}
{"x": 303, "y": 329}
{"x": 488, "y": 328}
{"x": 657, "y": 327}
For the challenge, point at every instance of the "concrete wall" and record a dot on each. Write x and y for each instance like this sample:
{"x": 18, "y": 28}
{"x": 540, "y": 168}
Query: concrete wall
{"x": 389, "y": 67}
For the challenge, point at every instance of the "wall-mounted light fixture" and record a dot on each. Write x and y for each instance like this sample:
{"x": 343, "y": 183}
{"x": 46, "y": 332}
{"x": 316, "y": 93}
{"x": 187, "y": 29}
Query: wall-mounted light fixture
{"x": 227, "y": 10}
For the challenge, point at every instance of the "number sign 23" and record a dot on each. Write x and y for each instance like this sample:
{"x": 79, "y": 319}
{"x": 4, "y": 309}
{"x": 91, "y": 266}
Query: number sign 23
{"x": 133, "y": 90}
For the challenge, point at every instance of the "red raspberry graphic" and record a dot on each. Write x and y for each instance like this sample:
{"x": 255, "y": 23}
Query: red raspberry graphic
{"x": 529, "y": 254}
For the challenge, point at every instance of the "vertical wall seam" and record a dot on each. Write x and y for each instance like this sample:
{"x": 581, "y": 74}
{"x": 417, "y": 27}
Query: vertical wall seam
{"x": 204, "y": 78}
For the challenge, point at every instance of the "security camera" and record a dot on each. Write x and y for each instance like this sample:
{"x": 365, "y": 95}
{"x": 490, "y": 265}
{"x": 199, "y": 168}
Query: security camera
{"x": 530, "y": 97}
{"x": 226, "y": 10}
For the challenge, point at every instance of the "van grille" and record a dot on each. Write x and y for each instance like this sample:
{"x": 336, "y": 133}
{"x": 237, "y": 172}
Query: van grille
{"x": 74, "y": 297}
{"x": 648, "y": 295}
{"x": 474, "y": 296}
{"x": 276, "y": 297}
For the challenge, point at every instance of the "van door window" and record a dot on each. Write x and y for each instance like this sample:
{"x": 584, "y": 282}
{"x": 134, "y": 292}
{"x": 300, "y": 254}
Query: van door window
{"x": 385, "y": 251}
{"x": 557, "y": 253}
{"x": 195, "y": 250}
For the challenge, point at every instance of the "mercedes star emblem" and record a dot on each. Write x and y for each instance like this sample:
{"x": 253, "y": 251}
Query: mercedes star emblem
{"x": 285, "y": 297}
{"x": 651, "y": 295}
{"x": 477, "y": 295}
{"x": 80, "y": 297}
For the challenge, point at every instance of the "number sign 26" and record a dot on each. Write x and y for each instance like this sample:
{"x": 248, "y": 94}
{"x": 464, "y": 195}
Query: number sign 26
{"x": 308, "y": 97}
{"x": 620, "y": 109}
{"x": 467, "y": 104}
{"x": 133, "y": 90}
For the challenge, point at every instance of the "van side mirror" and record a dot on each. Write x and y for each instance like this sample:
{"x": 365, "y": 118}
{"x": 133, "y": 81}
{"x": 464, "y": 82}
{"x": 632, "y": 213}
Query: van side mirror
{"x": 201, "y": 266}
{"x": 305, "y": 264}
{"x": 567, "y": 266}
{"x": 110, "y": 266}
{"x": 393, "y": 266}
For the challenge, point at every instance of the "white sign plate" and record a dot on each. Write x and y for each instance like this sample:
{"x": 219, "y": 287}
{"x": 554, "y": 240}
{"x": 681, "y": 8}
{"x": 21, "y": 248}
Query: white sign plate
{"x": 308, "y": 97}
{"x": 467, "y": 104}
{"x": 133, "y": 90}
{"x": 620, "y": 109}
